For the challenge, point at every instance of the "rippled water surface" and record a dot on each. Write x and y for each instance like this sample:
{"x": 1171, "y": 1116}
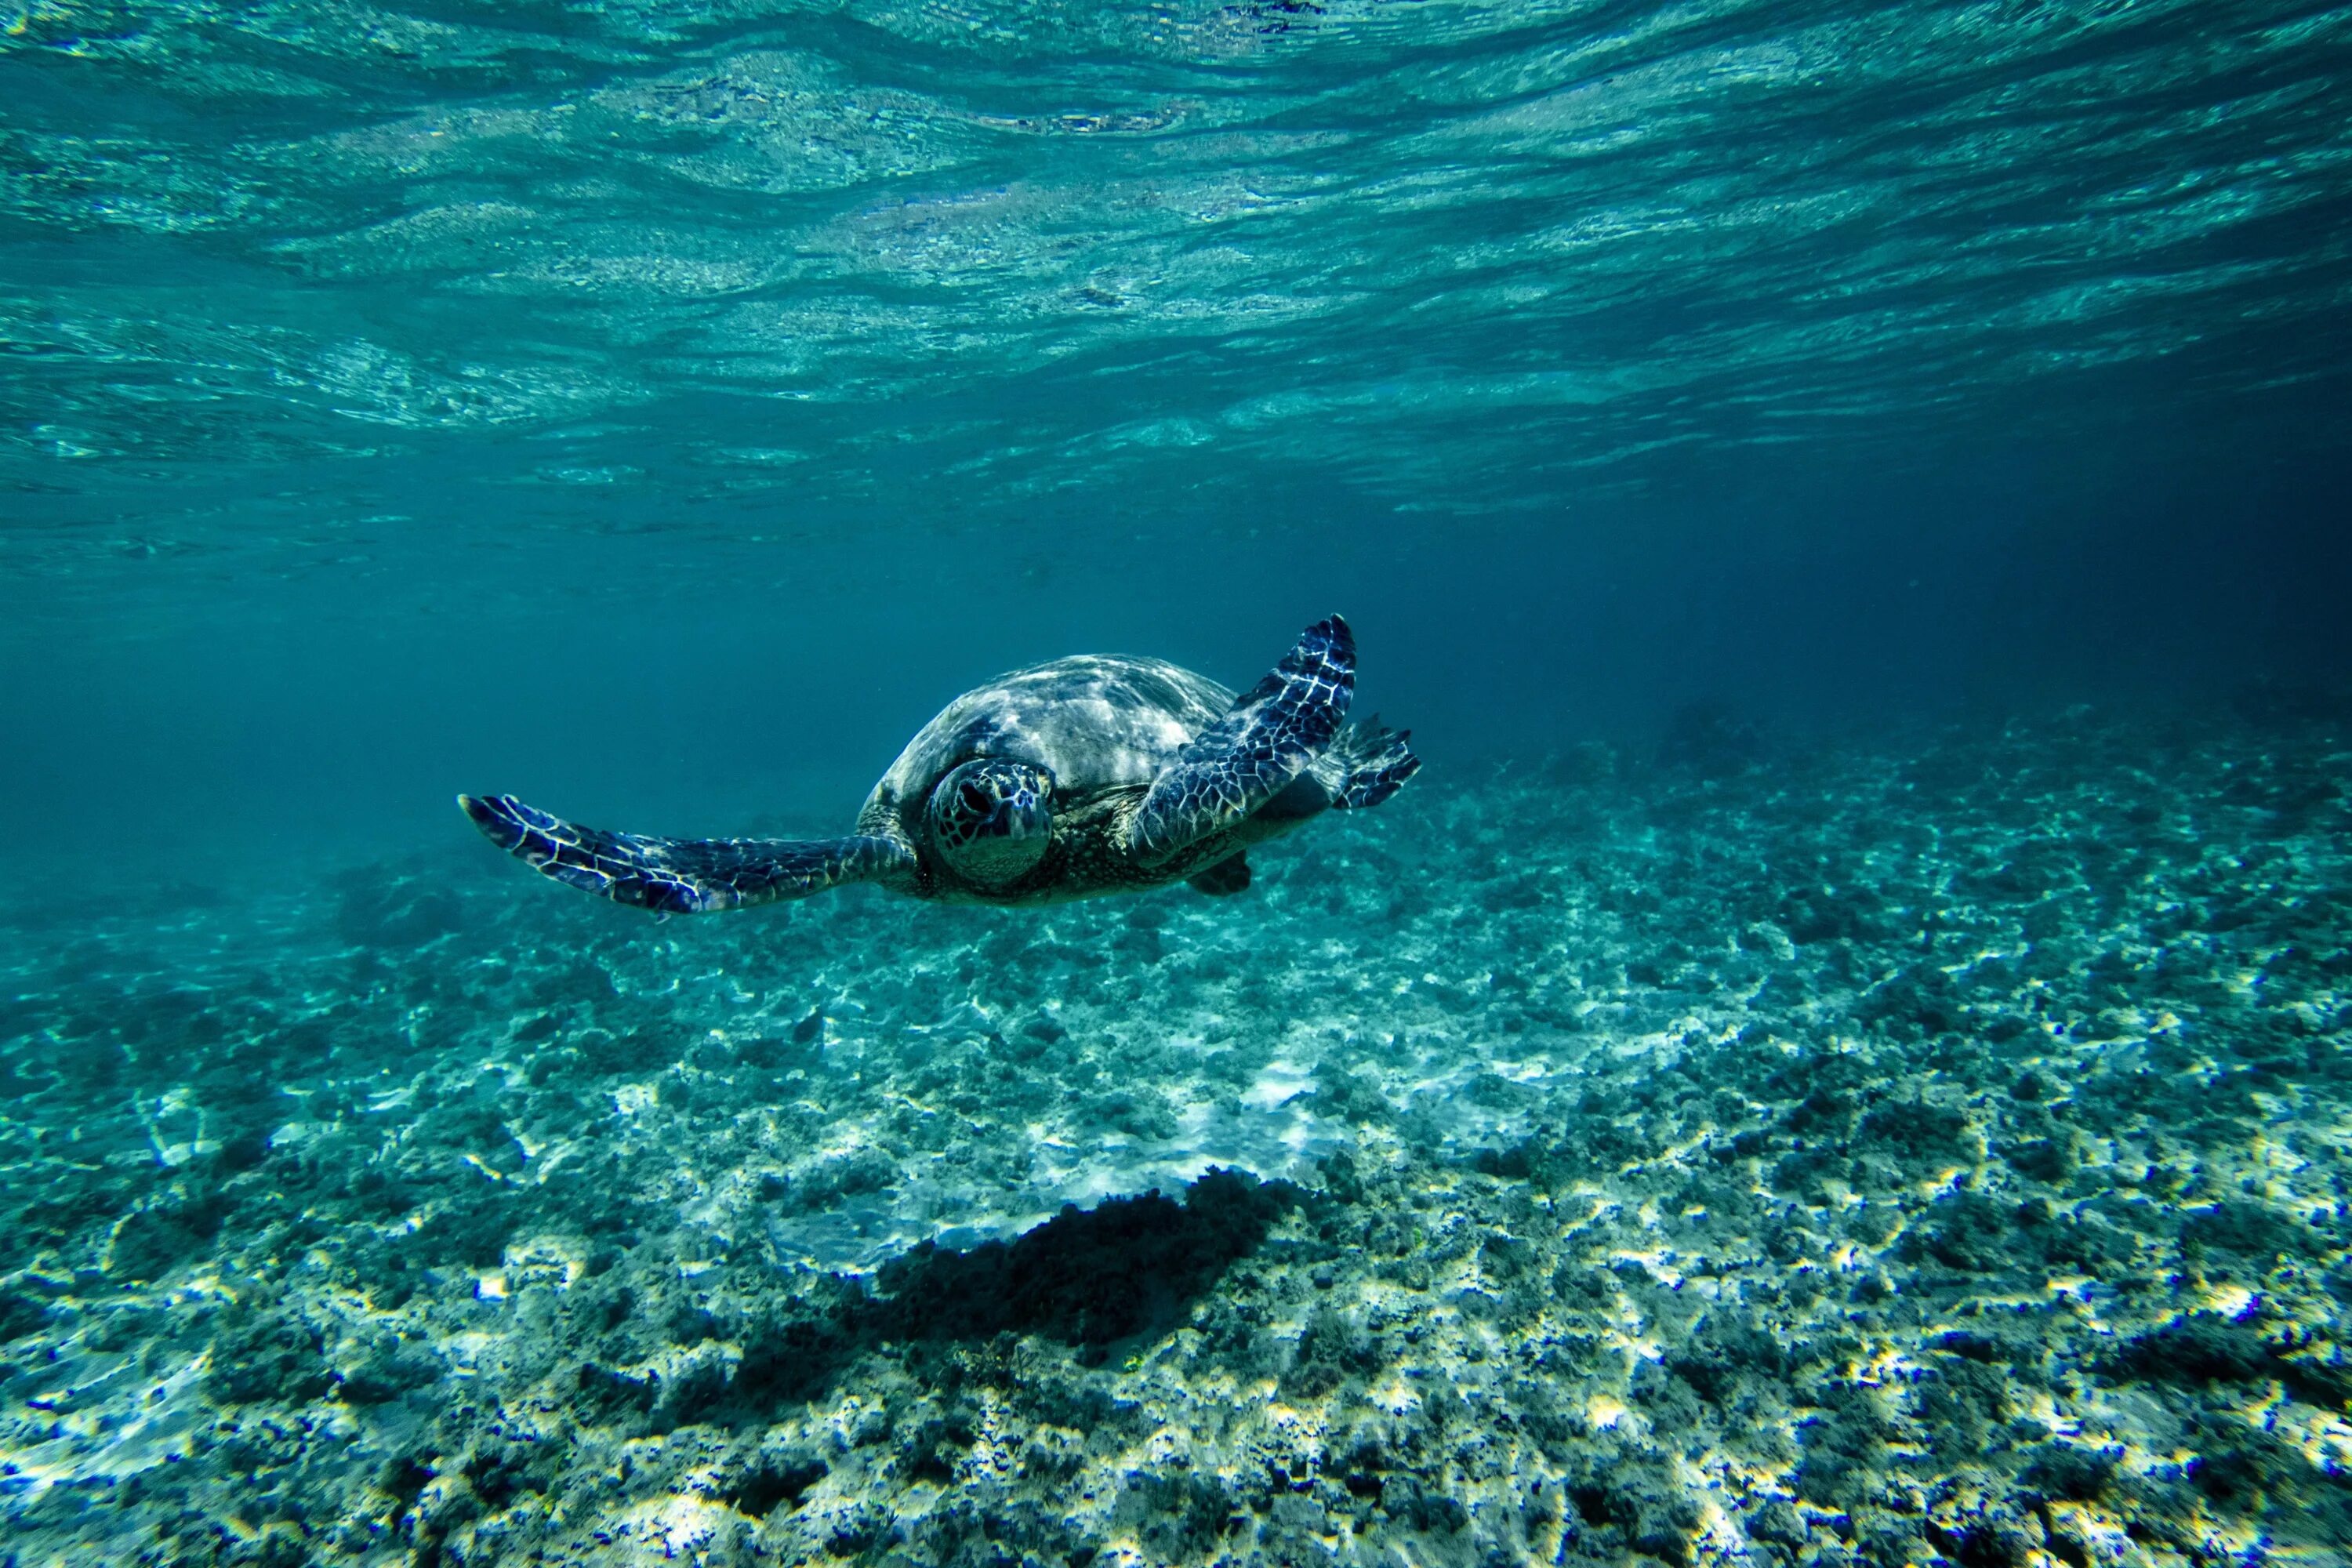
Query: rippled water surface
{"x": 1454, "y": 257}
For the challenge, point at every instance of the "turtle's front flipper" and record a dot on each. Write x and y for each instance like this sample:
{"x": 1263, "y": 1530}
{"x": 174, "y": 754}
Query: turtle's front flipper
{"x": 1248, "y": 756}
{"x": 679, "y": 876}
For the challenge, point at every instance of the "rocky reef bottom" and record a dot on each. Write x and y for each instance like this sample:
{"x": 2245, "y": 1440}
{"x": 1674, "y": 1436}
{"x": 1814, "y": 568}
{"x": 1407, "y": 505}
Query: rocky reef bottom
{"x": 1931, "y": 1151}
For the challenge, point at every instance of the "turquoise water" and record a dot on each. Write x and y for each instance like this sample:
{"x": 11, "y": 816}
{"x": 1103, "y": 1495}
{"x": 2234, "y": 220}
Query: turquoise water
{"x": 1835, "y": 1059}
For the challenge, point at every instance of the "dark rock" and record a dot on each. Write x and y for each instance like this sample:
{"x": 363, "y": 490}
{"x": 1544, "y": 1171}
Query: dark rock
{"x": 1705, "y": 739}
{"x": 472, "y": 1230}
{"x": 499, "y": 1470}
{"x": 774, "y": 1480}
{"x": 1179, "y": 1518}
{"x": 1965, "y": 1231}
{"x": 1331, "y": 1351}
{"x": 20, "y": 1314}
{"x": 1780, "y": 1524}
{"x": 1724, "y": 1351}
{"x": 2050, "y": 1160}
{"x": 2251, "y": 1230}
{"x": 1916, "y": 1133}
{"x": 378, "y": 908}
{"x": 1406, "y": 1498}
{"x": 387, "y": 1369}
{"x": 608, "y": 1394}
{"x": 2066, "y": 1472}
{"x": 2205, "y": 1348}
{"x": 1846, "y": 1449}
{"x": 863, "y": 1528}
{"x": 261, "y": 1355}
{"x": 168, "y": 1235}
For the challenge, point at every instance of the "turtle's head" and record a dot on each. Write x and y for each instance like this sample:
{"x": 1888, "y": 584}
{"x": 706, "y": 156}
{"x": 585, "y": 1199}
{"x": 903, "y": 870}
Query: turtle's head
{"x": 990, "y": 820}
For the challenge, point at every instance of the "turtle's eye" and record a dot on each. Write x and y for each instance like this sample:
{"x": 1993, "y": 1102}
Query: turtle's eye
{"x": 975, "y": 799}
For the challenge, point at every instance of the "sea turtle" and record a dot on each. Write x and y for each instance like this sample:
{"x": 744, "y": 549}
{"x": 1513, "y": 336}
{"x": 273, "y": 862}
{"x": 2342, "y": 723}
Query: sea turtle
{"x": 1087, "y": 775}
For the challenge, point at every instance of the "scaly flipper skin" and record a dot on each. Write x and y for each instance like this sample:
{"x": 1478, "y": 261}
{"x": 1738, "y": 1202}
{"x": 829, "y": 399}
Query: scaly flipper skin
{"x": 1247, "y": 757}
{"x": 679, "y": 876}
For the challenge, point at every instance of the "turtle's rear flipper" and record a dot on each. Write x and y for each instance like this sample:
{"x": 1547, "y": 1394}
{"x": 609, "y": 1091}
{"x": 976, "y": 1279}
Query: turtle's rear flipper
{"x": 1226, "y": 877}
{"x": 677, "y": 876}
{"x": 1376, "y": 761}
{"x": 1246, "y": 758}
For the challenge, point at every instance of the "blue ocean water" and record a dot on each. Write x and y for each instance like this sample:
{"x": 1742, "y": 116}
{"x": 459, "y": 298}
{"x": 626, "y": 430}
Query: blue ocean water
{"x": 1834, "y": 1059}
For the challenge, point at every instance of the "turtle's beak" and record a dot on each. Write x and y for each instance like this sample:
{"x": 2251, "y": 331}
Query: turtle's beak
{"x": 1021, "y": 812}
{"x": 1024, "y": 814}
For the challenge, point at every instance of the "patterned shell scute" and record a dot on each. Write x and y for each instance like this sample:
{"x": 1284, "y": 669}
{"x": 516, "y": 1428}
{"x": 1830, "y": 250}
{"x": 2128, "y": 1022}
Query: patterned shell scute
{"x": 1098, "y": 723}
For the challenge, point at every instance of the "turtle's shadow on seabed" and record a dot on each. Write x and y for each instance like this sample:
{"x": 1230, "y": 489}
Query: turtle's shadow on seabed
{"x": 1086, "y": 1277}
{"x": 1128, "y": 1269}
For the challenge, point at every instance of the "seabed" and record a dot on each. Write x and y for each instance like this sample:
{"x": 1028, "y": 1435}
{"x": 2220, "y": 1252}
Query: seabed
{"x": 1926, "y": 1150}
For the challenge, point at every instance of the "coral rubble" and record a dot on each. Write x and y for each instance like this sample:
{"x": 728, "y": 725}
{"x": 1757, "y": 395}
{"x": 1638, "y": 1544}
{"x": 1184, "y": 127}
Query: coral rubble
{"x": 1931, "y": 1151}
